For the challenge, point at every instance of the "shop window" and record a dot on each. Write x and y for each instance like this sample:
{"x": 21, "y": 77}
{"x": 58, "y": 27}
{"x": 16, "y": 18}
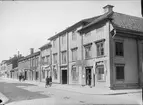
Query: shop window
{"x": 120, "y": 72}
{"x": 43, "y": 73}
{"x": 55, "y": 73}
{"x": 101, "y": 73}
{"x": 74, "y": 73}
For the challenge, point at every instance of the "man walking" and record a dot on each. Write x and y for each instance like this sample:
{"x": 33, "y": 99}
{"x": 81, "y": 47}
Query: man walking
{"x": 47, "y": 82}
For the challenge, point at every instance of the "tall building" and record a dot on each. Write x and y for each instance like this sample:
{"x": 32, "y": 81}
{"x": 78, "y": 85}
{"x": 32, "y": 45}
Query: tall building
{"x": 103, "y": 51}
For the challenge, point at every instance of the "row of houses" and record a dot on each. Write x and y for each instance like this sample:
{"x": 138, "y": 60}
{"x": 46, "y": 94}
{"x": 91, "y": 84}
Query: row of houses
{"x": 102, "y": 51}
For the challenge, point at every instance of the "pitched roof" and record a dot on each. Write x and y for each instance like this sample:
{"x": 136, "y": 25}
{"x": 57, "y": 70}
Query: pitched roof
{"x": 47, "y": 45}
{"x": 127, "y": 22}
{"x": 120, "y": 20}
{"x": 29, "y": 56}
{"x": 88, "y": 20}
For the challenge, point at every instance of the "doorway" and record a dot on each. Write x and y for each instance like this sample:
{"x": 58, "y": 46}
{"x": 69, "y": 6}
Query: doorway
{"x": 25, "y": 75}
{"x": 88, "y": 76}
{"x": 64, "y": 76}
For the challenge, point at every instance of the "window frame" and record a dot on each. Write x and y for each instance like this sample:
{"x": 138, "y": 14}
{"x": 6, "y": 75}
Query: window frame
{"x": 64, "y": 52}
{"x": 55, "y": 58}
{"x": 63, "y": 39}
{"x": 119, "y": 41}
{"x": 119, "y": 65}
{"x": 74, "y": 35}
{"x": 98, "y": 54}
{"x": 90, "y": 52}
{"x": 74, "y": 55}
{"x": 104, "y": 79}
{"x": 74, "y": 68}
{"x": 54, "y": 43}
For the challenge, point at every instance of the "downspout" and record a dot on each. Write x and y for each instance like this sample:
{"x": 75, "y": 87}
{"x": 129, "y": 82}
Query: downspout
{"x": 110, "y": 57}
{"x": 82, "y": 78}
{"x": 60, "y": 60}
{"x": 40, "y": 62}
{"x": 67, "y": 58}
{"x": 138, "y": 63}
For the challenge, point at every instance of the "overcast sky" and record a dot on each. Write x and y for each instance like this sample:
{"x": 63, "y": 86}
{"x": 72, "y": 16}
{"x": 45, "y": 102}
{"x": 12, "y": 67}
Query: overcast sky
{"x": 28, "y": 24}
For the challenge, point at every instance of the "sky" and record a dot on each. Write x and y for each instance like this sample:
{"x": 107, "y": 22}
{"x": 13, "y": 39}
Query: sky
{"x": 28, "y": 24}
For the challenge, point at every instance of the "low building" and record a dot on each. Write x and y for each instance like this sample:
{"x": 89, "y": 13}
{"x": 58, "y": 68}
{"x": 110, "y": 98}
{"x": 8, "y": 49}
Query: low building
{"x": 29, "y": 66}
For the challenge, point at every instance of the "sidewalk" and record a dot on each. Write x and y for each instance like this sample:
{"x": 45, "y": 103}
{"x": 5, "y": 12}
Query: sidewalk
{"x": 82, "y": 90}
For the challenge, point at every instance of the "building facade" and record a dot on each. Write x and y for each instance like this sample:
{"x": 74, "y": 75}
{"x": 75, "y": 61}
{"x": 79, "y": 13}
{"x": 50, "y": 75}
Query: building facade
{"x": 29, "y": 66}
{"x": 96, "y": 52}
{"x": 112, "y": 50}
{"x": 3, "y": 68}
{"x": 45, "y": 61}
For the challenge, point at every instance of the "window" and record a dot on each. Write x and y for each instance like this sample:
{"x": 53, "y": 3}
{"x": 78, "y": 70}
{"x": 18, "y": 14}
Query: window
{"x": 48, "y": 59}
{"x": 74, "y": 54}
{"x": 43, "y": 60}
{"x": 119, "y": 48}
{"x": 37, "y": 61}
{"x": 55, "y": 58}
{"x": 64, "y": 58}
{"x": 63, "y": 39}
{"x": 74, "y": 73}
{"x": 74, "y": 35}
{"x": 101, "y": 74}
{"x": 119, "y": 72}
{"x": 43, "y": 74}
{"x": 54, "y": 43}
{"x": 55, "y": 72}
{"x": 88, "y": 51}
{"x": 100, "y": 48}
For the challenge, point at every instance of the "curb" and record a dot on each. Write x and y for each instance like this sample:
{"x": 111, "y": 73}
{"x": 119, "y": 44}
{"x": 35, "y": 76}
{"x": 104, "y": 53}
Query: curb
{"x": 3, "y": 98}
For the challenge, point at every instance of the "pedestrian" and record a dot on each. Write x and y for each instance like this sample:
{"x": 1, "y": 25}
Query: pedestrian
{"x": 47, "y": 82}
{"x": 50, "y": 80}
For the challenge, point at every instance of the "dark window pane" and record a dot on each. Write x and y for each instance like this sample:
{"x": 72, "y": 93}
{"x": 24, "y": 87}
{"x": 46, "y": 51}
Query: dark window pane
{"x": 119, "y": 48}
{"x": 119, "y": 72}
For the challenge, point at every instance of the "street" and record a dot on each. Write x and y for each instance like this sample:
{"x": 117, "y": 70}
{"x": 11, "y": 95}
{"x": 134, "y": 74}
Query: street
{"x": 22, "y": 93}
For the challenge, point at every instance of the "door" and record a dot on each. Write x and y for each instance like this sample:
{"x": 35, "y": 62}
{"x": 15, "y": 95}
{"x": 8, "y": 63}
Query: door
{"x": 25, "y": 74}
{"x": 64, "y": 76}
{"x": 88, "y": 76}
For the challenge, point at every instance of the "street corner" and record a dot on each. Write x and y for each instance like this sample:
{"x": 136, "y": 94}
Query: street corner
{"x": 3, "y": 99}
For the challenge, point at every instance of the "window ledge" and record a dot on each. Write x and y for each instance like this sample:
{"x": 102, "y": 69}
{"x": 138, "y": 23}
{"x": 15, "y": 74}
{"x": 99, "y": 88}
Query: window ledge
{"x": 101, "y": 80}
{"x": 101, "y": 56}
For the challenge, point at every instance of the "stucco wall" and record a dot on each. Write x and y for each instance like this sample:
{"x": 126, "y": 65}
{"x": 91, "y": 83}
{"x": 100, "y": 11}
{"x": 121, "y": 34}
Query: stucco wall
{"x": 129, "y": 59}
{"x": 92, "y": 38}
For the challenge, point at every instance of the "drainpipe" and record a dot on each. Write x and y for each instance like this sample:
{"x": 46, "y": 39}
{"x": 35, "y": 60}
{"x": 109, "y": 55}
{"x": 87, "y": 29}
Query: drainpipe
{"x": 138, "y": 63}
{"x": 40, "y": 62}
{"x": 82, "y": 78}
{"x": 68, "y": 58}
{"x": 60, "y": 60}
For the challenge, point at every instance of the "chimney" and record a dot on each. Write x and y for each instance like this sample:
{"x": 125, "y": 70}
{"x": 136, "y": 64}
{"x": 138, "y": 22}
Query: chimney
{"x": 108, "y": 8}
{"x": 31, "y": 50}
